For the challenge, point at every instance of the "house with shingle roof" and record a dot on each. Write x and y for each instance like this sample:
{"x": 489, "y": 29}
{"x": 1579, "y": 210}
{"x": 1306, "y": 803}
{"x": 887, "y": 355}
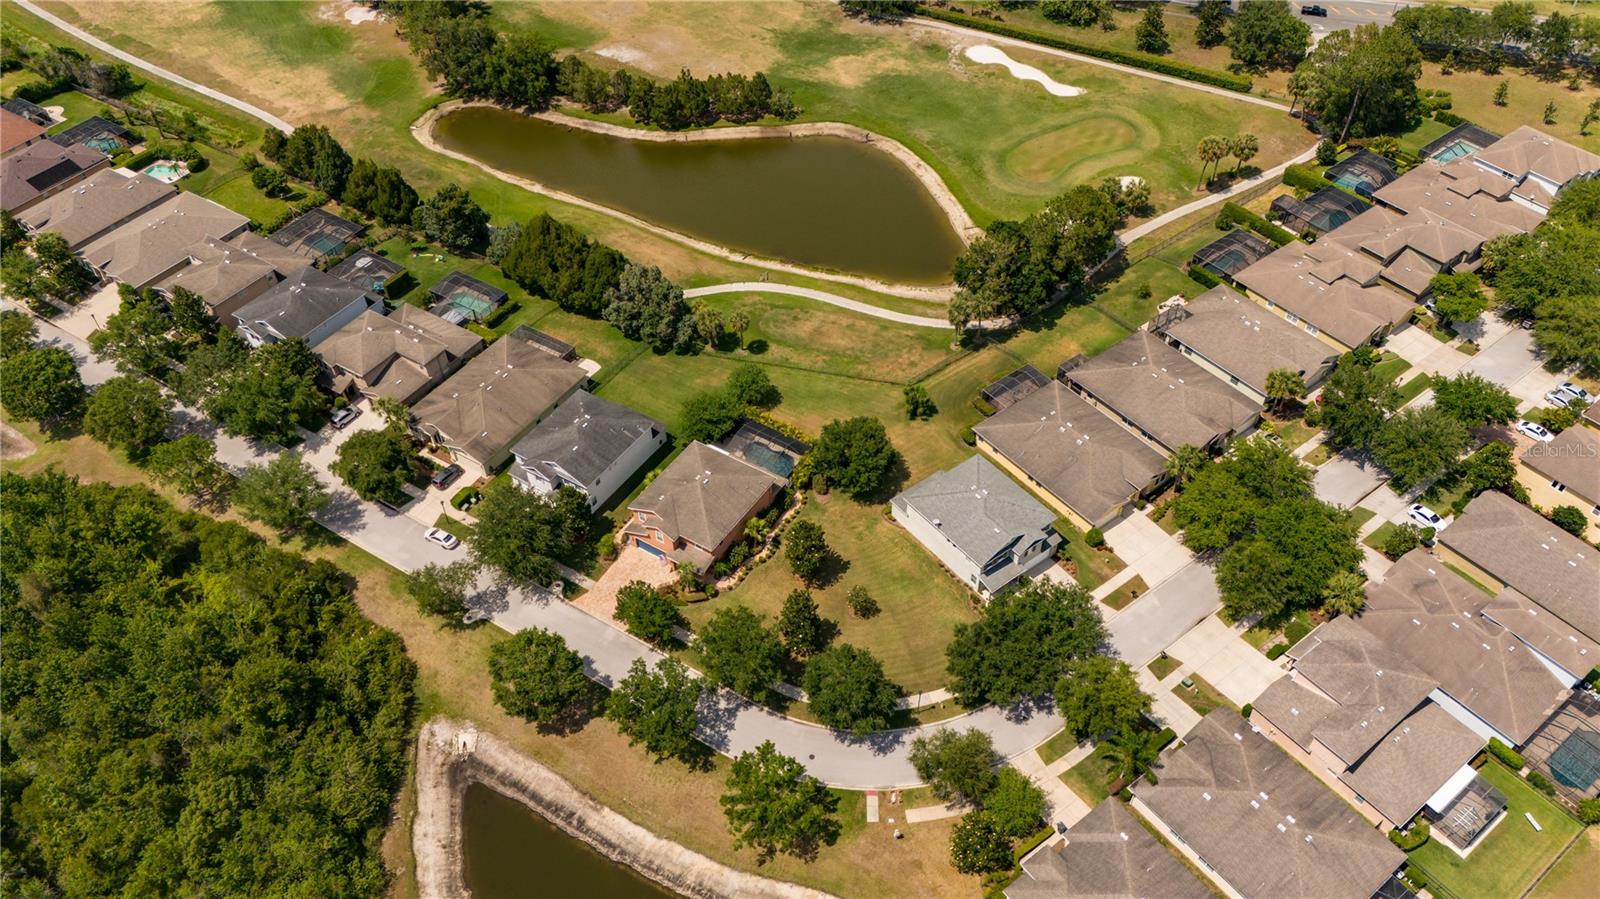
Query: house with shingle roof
{"x": 483, "y": 409}
{"x": 698, "y": 506}
{"x": 93, "y": 207}
{"x": 1565, "y": 472}
{"x": 1330, "y": 290}
{"x": 1415, "y": 766}
{"x": 986, "y": 529}
{"x": 1086, "y": 463}
{"x": 1234, "y": 339}
{"x": 1539, "y": 164}
{"x": 588, "y": 444}
{"x": 227, "y": 274}
{"x": 307, "y": 304}
{"x": 42, "y": 169}
{"x": 1502, "y": 543}
{"x": 1161, "y": 394}
{"x": 158, "y": 242}
{"x": 1257, "y": 822}
{"x": 400, "y": 355}
{"x": 1109, "y": 854}
{"x": 17, "y": 132}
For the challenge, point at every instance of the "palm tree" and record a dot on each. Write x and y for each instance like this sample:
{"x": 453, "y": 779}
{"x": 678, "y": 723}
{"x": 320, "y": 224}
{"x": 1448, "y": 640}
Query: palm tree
{"x": 1244, "y": 148}
{"x": 1185, "y": 462}
{"x": 1130, "y": 754}
{"x": 1283, "y": 385}
{"x": 1299, "y": 85}
{"x": 1212, "y": 149}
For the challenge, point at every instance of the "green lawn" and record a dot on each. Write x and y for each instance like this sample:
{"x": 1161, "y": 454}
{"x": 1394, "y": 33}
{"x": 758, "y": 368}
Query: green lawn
{"x": 1391, "y": 366}
{"x": 1202, "y": 697}
{"x": 1413, "y": 388}
{"x": 11, "y": 81}
{"x": 238, "y": 194}
{"x": 1093, "y": 566}
{"x": 75, "y": 106}
{"x": 1508, "y": 859}
{"x": 1088, "y": 779}
{"x": 1377, "y": 537}
{"x": 1360, "y": 515}
{"x": 921, "y": 603}
{"x": 1125, "y": 594}
{"x": 1057, "y": 746}
{"x": 1576, "y": 874}
{"x": 1293, "y": 431}
{"x": 1163, "y": 665}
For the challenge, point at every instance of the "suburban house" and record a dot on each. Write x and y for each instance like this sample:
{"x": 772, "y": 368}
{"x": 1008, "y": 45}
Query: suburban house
{"x": 697, "y": 507}
{"x": 483, "y": 409}
{"x": 98, "y": 133}
{"x": 1539, "y": 164}
{"x": 1330, "y": 291}
{"x": 230, "y": 273}
{"x": 1088, "y": 467}
{"x": 1258, "y": 823}
{"x": 1491, "y": 680}
{"x": 1107, "y": 854}
{"x": 42, "y": 169}
{"x": 1161, "y": 394}
{"x": 401, "y": 355}
{"x": 1566, "y": 472}
{"x": 460, "y": 297}
{"x": 1501, "y": 543}
{"x": 1357, "y": 714}
{"x": 985, "y": 528}
{"x": 368, "y": 271}
{"x": 157, "y": 243}
{"x": 1235, "y": 340}
{"x": 92, "y": 208}
{"x": 17, "y": 132}
{"x": 307, "y": 303}
{"x": 588, "y": 444}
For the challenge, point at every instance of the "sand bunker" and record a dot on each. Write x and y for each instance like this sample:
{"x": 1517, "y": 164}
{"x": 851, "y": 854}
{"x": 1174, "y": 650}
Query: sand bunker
{"x": 994, "y": 55}
{"x": 355, "y": 15}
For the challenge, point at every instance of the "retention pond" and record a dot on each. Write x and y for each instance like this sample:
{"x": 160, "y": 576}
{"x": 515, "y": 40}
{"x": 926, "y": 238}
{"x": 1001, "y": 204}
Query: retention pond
{"x": 819, "y": 201}
{"x": 514, "y": 853}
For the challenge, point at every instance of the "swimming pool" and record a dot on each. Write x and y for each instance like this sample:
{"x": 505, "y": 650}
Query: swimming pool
{"x": 165, "y": 171}
{"x": 1454, "y": 150}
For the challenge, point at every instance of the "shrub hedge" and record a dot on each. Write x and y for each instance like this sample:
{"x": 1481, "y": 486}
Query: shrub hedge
{"x": 1411, "y": 839}
{"x": 1226, "y": 80}
{"x": 1233, "y": 214}
{"x": 1276, "y": 651}
{"x": 1511, "y": 757}
{"x": 1541, "y": 783}
{"x": 1304, "y": 178}
{"x": 1200, "y": 274}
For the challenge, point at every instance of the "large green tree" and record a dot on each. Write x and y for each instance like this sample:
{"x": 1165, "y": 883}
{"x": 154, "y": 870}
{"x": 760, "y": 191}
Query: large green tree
{"x": 137, "y": 338}
{"x": 1355, "y": 401}
{"x": 958, "y": 766}
{"x": 1266, "y": 34}
{"x": 376, "y": 464}
{"x": 807, "y": 550}
{"x": 1417, "y": 445}
{"x": 855, "y": 455}
{"x": 535, "y": 676}
{"x": 1474, "y": 401}
{"x": 189, "y": 465}
{"x": 1363, "y": 82}
{"x": 1567, "y": 332}
{"x": 656, "y": 708}
{"x": 1100, "y": 695}
{"x": 281, "y": 493}
{"x": 1023, "y": 643}
{"x": 1017, "y": 805}
{"x": 1458, "y": 296}
{"x": 709, "y": 415}
{"x": 978, "y": 844}
{"x": 130, "y": 414}
{"x": 740, "y": 653}
{"x": 848, "y": 690}
{"x": 773, "y": 805}
{"x": 648, "y": 614}
{"x": 17, "y": 332}
{"x": 523, "y": 535}
{"x": 801, "y": 628}
{"x": 42, "y": 385}
{"x": 270, "y": 394}
{"x": 647, "y": 307}
{"x": 443, "y": 590}
{"x": 452, "y": 219}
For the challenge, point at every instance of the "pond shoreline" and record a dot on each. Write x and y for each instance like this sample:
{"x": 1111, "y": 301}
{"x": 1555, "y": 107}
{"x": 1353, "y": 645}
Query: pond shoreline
{"x": 957, "y": 216}
{"x": 453, "y": 755}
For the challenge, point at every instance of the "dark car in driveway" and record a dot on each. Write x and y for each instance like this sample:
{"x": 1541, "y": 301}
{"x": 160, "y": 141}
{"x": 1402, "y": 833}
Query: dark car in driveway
{"x": 1320, "y": 12}
{"x": 444, "y": 476}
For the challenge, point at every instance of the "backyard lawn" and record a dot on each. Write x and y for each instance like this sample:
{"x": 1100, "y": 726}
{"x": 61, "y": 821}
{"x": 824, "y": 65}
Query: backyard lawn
{"x": 1509, "y": 858}
{"x": 921, "y": 604}
{"x": 1576, "y": 874}
{"x": 238, "y": 194}
{"x": 1089, "y": 779}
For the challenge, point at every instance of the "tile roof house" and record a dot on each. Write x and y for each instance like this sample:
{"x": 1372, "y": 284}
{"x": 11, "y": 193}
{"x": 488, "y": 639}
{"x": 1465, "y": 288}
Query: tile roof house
{"x": 93, "y": 207}
{"x": 697, "y": 507}
{"x": 157, "y": 243}
{"x": 17, "y": 132}
{"x": 1073, "y": 452}
{"x": 1232, "y": 338}
{"x": 1328, "y": 289}
{"x": 42, "y": 169}
{"x": 1262, "y": 824}
{"x": 980, "y": 524}
{"x": 1528, "y": 154}
{"x": 307, "y": 303}
{"x": 1504, "y": 543}
{"x": 400, "y": 355}
{"x": 1106, "y": 855}
{"x": 1566, "y": 472}
{"x": 230, "y": 273}
{"x": 483, "y": 409}
{"x": 1160, "y": 393}
{"x": 1488, "y": 678}
{"x": 588, "y": 444}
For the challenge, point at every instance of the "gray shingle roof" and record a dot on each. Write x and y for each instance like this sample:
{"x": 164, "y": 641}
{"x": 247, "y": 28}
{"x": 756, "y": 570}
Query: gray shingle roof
{"x": 585, "y": 435}
{"x": 978, "y": 507}
{"x": 1373, "y": 685}
{"x": 1558, "y": 640}
{"x": 704, "y": 494}
{"x": 1167, "y": 396}
{"x": 87, "y": 209}
{"x": 1524, "y": 550}
{"x": 1241, "y": 338}
{"x": 1413, "y": 761}
{"x": 1073, "y": 451}
{"x": 303, "y": 300}
{"x": 1266, "y": 825}
{"x": 1329, "y": 286}
{"x": 1107, "y": 855}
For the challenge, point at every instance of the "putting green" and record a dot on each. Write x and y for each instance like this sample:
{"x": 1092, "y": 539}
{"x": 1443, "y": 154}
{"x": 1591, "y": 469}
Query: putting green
{"x": 1081, "y": 151}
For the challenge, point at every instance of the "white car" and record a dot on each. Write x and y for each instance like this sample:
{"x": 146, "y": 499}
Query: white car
{"x": 1574, "y": 392}
{"x": 1425, "y": 517}
{"x": 442, "y": 537}
{"x": 1537, "y": 432}
{"x": 1558, "y": 398}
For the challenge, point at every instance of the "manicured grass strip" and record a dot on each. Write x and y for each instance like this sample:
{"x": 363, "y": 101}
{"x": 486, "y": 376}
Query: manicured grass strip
{"x": 1391, "y": 367}
{"x": 1202, "y": 697}
{"x": 1057, "y": 746}
{"x": 1377, "y": 538}
{"x": 1411, "y": 389}
{"x": 1137, "y": 60}
{"x": 1163, "y": 665}
{"x": 1125, "y": 594}
{"x": 1089, "y": 780}
{"x": 1360, "y": 515}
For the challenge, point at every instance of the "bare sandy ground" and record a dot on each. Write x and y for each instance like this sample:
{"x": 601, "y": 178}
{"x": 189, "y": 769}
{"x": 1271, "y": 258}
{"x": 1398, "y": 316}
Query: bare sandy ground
{"x": 13, "y": 445}
{"x": 452, "y": 755}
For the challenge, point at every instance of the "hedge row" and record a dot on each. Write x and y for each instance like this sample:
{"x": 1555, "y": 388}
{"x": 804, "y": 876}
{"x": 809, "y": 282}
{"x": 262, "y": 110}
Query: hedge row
{"x": 1510, "y": 757}
{"x": 1203, "y": 276}
{"x": 1233, "y": 214}
{"x": 1303, "y": 178}
{"x": 1147, "y": 61}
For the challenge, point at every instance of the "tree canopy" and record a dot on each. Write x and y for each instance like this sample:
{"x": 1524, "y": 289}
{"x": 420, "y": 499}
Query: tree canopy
{"x": 535, "y": 676}
{"x": 1266, "y": 34}
{"x": 1363, "y": 82}
{"x": 552, "y": 259}
{"x": 267, "y": 393}
{"x": 522, "y": 535}
{"x": 131, "y": 414}
{"x": 854, "y": 455}
{"x": 807, "y": 550}
{"x": 1100, "y": 695}
{"x": 1418, "y": 444}
{"x": 956, "y": 765}
{"x": 42, "y": 385}
{"x": 376, "y": 464}
{"x": 740, "y": 653}
{"x": 1355, "y": 401}
{"x": 452, "y": 219}
{"x": 848, "y": 690}
{"x": 1474, "y": 401}
{"x": 773, "y": 805}
{"x": 281, "y": 493}
{"x": 647, "y": 307}
{"x": 1023, "y": 643}
{"x": 647, "y": 614}
{"x": 656, "y": 708}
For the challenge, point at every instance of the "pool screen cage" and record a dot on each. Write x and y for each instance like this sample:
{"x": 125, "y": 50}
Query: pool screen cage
{"x": 1566, "y": 748}
{"x": 1014, "y": 387}
{"x": 1231, "y": 253}
{"x": 1474, "y": 137}
{"x": 1363, "y": 173}
{"x": 1471, "y": 813}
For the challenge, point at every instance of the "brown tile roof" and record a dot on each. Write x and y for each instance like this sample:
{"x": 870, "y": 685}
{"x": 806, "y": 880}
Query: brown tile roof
{"x": 1265, "y": 824}
{"x": 26, "y": 174}
{"x": 1238, "y": 336}
{"x": 1556, "y": 639}
{"x": 393, "y": 353}
{"x": 16, "y": 131}
{"x": 496, "y": 397}
{"x": 1107, "y": 855}
{"x": 1530, "y": 151}
{"x": 1524, "y": 550}
{"x": 1372, "y": 685}
{"x": 704, "y": 494}
{"x": 1412, "y": 762}
{"x": 1167, "y": 396}
{"x": 1329, "y": 287}
{"x": 89, "y": 208}
{"x": 1430, "y": 184}
{"x": 1433, "y": 617}
{"x": 150, "y": 246}
{"x": 1573, "y": 458}
{"x": 1073, "y": 451}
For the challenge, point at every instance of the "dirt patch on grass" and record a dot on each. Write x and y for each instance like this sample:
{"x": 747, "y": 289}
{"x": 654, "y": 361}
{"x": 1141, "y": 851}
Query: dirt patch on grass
{"x": 13, "y": 445}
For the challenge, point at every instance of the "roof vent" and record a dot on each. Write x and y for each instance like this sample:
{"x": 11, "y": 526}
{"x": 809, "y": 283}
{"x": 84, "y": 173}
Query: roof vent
{"x": 1206, "y": 796}
{"x": 1123, "y": 834}
{"x": 1282, "y": 829}
{"x": 1308, "y": 838}
{"x": 1254, "y": 804}
{"x": 1289, "y": 818}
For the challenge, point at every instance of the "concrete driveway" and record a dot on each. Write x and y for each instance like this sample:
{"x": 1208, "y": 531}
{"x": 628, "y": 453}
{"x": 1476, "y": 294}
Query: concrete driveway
{"x": 1152, "y": 553}
{"x": 1425, "y": 354}
{"x": 1513, "y": 362}
{"x": 1218, "y": 653}
{"x": 1344, "y": 481}
{"x": 1142, "y": 630}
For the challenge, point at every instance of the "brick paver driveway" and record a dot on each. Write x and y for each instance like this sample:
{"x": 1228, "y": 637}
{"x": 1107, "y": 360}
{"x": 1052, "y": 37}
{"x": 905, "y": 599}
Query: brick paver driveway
{"x": 634, "y": 564}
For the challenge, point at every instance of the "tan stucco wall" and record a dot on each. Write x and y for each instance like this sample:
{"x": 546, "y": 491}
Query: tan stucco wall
{"x": 1282, "y": 313}
{"x": 1451, "y": 557}
{"x": 1546, "y": 497}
